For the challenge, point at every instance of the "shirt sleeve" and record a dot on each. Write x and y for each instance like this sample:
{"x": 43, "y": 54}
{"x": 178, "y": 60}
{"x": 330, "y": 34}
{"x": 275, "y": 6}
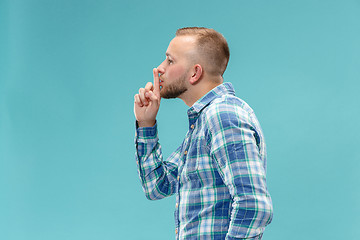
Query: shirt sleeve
{"x": 158, "y": 177}
{"x": 236, "y": 145}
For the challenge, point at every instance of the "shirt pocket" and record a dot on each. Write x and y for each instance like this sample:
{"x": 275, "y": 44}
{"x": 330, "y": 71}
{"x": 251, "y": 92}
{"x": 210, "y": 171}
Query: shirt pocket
{"x": 191, "y": 172}
{"x": 196, "y": 160}
{"x": 191, "y": 163}
{"x": 196, "y": 156}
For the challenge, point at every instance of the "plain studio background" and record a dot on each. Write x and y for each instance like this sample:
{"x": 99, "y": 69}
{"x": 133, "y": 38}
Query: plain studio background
{"x": 68, "y": 73}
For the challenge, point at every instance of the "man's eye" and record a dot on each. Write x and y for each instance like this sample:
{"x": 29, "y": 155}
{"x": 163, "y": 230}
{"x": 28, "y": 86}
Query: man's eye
{"x": 170, "y": 61}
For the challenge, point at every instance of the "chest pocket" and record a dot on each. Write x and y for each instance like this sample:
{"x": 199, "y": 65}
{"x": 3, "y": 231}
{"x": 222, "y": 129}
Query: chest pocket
{"x": 197, "y": 157}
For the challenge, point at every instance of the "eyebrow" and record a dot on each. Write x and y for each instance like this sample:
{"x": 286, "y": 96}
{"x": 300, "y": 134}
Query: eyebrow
{"x": 169, "y": 55}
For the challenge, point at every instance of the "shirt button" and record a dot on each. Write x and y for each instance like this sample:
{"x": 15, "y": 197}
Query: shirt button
{"x": 178, "y": 178}
{"x": 185, "y": 152}
{"x": 176, "y": 231}
{"x": 192, "y": 126}
{"x": 176, "y": 205}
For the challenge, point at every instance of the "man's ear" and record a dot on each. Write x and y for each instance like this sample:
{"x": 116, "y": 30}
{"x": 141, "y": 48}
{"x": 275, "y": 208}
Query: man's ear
{"x": 196, "y": 74}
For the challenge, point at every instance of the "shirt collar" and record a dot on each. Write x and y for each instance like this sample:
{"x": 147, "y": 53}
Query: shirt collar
{"x": 199, "y": 105}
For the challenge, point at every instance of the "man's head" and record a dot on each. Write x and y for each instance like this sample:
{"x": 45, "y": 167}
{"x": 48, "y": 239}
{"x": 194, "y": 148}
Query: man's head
{"x": 194, "y": 54}
{"x": 211, "y": 49}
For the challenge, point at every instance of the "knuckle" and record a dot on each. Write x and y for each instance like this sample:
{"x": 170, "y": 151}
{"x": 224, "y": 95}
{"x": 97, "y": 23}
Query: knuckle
{"x": 148, "y": 86}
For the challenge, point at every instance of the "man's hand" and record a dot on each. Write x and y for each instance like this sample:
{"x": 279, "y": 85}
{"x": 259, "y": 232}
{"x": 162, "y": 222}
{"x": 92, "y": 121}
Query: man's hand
{"x": 147, "y": 102}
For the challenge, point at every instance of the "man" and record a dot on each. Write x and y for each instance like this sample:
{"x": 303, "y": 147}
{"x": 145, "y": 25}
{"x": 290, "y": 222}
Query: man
{"x": 219, "y": 172}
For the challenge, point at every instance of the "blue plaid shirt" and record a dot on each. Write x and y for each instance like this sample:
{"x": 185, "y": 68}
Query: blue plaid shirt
{"x": 218, "y": 173}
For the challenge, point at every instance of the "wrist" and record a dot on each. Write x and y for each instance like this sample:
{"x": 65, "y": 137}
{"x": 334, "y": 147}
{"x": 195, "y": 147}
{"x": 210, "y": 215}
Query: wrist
{"x": 146, "y": 123}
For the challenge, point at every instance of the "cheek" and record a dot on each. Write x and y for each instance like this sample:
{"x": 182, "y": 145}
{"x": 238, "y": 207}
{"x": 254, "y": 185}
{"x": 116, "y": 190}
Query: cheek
{"x": 175, "y": 71}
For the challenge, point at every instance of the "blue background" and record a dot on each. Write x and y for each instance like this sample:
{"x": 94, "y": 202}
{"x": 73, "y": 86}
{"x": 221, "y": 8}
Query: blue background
{"x": 68, "y": 73}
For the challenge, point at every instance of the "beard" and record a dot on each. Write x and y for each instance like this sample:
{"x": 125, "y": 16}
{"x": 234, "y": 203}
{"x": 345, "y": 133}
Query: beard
{"x": 174, "y": 89}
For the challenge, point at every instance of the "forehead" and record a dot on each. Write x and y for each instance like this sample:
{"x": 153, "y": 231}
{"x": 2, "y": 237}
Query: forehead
{"x": 181, "y": 45}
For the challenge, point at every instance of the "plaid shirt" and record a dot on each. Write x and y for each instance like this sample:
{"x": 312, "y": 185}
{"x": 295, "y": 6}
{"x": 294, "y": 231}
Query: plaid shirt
{"x": 218, "y": 173}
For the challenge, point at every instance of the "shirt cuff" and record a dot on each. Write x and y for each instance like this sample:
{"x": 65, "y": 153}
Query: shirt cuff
{"x": 258, "y": 237}
{"x": 146, "y": 133}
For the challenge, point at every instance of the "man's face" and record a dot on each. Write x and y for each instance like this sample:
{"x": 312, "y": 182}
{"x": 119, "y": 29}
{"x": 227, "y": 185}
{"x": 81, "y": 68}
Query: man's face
{"x": 174, "y": 70}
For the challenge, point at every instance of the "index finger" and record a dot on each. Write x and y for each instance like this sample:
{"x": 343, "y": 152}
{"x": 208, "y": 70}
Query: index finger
{"x": 156, "y": 82}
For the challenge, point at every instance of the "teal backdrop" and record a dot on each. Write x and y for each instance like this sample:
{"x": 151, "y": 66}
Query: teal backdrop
{"x": 68, "y": 73}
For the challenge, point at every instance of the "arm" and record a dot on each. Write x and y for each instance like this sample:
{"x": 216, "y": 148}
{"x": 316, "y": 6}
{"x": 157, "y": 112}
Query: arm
{"x": 236, "y": 145}
{"x": 158, "y": 177}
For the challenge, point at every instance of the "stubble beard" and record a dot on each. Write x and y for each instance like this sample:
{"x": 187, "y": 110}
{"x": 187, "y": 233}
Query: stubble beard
{"x": 175, "y": 89}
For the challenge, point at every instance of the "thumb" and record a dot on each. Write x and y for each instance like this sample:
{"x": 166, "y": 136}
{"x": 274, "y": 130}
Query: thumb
{"x": 152, "y": 96}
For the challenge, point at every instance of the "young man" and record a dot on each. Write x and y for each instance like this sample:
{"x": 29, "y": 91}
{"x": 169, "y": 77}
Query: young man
{"x": 219, "y": 172}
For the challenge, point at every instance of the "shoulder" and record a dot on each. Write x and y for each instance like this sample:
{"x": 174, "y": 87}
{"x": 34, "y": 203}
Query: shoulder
{"x": 227, "y": 109}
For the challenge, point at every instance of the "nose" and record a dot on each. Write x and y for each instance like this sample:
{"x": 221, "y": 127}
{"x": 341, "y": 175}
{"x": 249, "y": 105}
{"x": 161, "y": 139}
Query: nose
{"x": 161, "y": 68}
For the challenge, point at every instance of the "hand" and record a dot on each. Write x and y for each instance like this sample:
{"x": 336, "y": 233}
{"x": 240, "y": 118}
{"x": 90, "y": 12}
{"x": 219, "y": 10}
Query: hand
{"x": 147, "y": 102}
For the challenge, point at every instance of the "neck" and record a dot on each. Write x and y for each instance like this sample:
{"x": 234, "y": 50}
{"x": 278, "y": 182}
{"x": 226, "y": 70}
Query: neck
{"x": 199, "y": 89}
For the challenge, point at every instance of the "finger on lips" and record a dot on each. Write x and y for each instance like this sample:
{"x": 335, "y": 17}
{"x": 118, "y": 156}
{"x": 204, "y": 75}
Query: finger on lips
{"x": 151, "y": 92}
{"x": 156, "y": 81}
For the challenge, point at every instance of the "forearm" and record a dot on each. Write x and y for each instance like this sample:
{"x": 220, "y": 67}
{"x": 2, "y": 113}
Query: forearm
{"x": 251, "y": 202}
{"x": 157, "y": 177}
{"x": 250, "y": 215}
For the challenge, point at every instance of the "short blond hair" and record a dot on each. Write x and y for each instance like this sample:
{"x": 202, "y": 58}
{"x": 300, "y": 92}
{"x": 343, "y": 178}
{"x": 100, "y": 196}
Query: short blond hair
{"x": 211, "y": 46}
